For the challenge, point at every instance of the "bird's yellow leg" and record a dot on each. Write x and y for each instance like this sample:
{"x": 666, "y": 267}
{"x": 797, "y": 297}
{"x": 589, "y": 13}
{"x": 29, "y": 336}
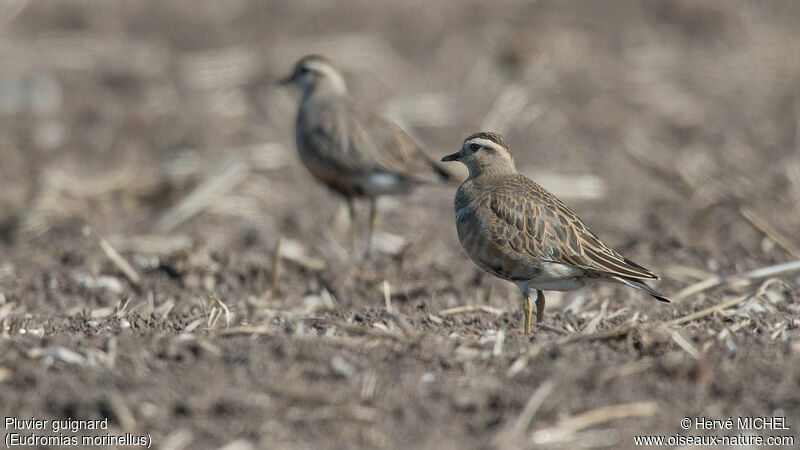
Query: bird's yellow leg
{"x": 528, "y": 313}
{"x": 539, "y": 305}
{"x": 527, "y": 305}
{"x": 373, "y": 225}
{"x": 351, "y": 209}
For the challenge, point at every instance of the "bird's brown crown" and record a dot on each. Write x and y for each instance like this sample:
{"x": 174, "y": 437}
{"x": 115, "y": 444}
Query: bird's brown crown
{"x": 490, "y": 136}
{"x": 309, "y": 61}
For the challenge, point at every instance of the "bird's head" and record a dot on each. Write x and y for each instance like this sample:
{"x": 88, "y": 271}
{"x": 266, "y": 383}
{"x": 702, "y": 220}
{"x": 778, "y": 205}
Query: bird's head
{"x": 484, "y": 152}
{"x": 315, "y": 72}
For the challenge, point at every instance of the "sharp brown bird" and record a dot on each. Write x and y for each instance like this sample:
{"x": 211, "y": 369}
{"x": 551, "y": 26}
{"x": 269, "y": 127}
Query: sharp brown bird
{"x": 516, "y": 230}
{"x": 354, "y": 151}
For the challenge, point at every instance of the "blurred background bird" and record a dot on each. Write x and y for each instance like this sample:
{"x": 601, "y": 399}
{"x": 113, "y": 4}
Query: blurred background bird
{"x": 354, "y": 151}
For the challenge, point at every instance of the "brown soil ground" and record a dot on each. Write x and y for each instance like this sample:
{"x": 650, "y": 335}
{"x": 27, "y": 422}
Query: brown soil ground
{"x": 155, "y": 128}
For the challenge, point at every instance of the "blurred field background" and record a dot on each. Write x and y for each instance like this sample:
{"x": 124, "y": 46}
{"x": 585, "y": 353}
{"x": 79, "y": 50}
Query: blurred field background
{"x": 166, "y": 261}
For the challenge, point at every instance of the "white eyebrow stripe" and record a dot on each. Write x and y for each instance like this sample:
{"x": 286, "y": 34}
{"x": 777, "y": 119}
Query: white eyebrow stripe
{"x": 485, "y": 143}
{"x": 329, "y": 71}
{"x": 319, "y": 66}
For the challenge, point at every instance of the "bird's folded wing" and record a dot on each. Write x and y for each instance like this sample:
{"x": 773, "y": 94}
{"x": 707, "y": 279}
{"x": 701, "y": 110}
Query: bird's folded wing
{"x": 358, "y": 143}
{"x": 396, "y": 151}
{"x": 335, "y": 143}
{"x": 532, "y": 222}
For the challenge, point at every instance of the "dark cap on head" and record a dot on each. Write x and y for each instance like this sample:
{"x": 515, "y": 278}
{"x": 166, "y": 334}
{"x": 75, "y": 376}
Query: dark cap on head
{"x": 314, "y": 58}
{"x": 494, "y": 137}
{"x": 315, "y": 64}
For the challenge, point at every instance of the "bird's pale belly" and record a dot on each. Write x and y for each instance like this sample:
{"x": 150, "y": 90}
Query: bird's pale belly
{"x": 559, "y": 277}
{"x": 349, "y": 183}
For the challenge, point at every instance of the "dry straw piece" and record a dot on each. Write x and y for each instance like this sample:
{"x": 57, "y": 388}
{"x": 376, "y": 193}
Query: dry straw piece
{"x": 716, "y": 281}
{"x": 231, "y": 174}
{"x": 470, "y": 309}
{"x": 122, "y": 264}
{"x": 771, "y": 232}
{"x": 508, "y": 436}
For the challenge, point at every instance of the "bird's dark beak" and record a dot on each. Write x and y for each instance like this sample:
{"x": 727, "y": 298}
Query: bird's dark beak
{"x": 286, "y": 81}
{"x": 454, "y": 157}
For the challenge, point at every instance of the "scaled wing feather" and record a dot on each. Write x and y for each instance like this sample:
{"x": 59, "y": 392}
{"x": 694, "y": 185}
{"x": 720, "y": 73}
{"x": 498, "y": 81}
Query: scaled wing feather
{"x": 536, "y": 224}
{"x": 363, "y": 144}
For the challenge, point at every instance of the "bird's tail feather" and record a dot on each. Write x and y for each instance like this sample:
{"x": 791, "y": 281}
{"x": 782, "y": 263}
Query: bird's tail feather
{"x": 642, "y": 286}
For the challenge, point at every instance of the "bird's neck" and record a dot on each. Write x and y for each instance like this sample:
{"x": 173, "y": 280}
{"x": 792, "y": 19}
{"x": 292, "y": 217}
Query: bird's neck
{"x": 493, "y": 170}
{"x": 328, "y": 87}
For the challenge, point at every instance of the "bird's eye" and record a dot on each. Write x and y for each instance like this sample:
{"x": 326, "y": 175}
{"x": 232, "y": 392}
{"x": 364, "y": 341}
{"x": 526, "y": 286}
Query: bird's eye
{"x": 474, "y": 147}
{"x": 304, "y": 69}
